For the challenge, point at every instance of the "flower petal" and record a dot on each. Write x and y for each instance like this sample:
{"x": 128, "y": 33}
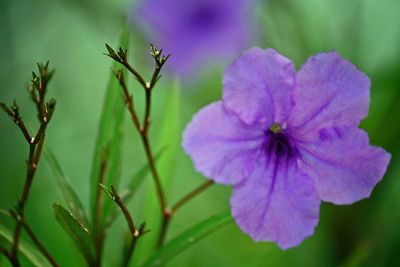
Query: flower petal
{"x": 276, "y": 203}
{"x": 258, "y": 86}
{"x": 343, "y": 165}
{"x": 195, "y": 32}
{"x": 329, "y": 91}
{"x": 221, "y": 146}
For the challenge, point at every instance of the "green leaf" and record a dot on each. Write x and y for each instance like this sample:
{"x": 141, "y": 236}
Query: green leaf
{"x": 109, "y": 137}
{"x": 188, "y": 239}
{"x": 79, "y": 234}
{"x": 71, "y": 198}
{"x": 30, "y": 252}
{"x": 169, "y": 136}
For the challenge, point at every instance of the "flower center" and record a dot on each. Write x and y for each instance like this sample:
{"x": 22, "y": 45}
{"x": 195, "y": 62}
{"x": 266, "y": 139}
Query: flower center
{"x": 279, "y": 142}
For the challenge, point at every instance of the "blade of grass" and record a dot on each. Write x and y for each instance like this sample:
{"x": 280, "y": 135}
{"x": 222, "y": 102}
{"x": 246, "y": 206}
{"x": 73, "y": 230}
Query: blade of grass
{"x": 109, "y": 136}
{"x": 187, "y": 239}
{"x": 71, "y": 198}
{"x": 76, "y": 231}
{"x": 30, "y": 252}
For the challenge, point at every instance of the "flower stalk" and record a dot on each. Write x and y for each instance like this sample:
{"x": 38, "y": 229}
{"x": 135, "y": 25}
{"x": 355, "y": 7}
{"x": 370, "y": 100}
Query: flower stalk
{"x": 143, "y": 128}
{"x": 37, "y": 90}
{"x": 135, "y": 233}
{"x": 170, "y": 211}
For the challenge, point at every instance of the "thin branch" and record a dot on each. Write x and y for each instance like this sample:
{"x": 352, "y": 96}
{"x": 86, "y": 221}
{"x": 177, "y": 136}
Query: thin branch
{"x": 146, "y": 117}
{"x": 39, "y": 149}
{"x": 184, "y": 200}
{"x": 143, "y": 129}
{"x": 131, "y": 249}
{"x": 169, "y": 212}
{"x": 121, "y": 58}
{"x": 128, "y": 99}
{"x": 21, "y": 203}
{"x": 135, "y": 233}
{"x": 117, "y": 199}
{"x": 160, "y": 60}
{"x": 45, "y": 110}
{"x": 40, "y": 246}
{"x": 24, "y": 131}
{"x": 13, "y": 112}
{"x": 154, "y": 172}
{"x": 164, "y": 226}
{"x": 33, "y": 160}
{"x": 135, "y": 73}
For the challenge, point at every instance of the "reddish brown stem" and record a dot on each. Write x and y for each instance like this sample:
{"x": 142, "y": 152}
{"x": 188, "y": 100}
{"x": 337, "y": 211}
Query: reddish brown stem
{"x": 40, "y": 246}
{"x": 153, "y": 170}
{"x": 117, "y": 199}
{"x": 169, "y": 212}
{"x": 184, "y": 200}
{"x": 143, "y": 131}
{"x": 135, "y": 233}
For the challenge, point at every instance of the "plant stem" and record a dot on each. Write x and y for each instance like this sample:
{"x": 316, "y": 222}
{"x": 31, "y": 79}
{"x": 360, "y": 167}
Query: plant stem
{"x": 153, "y": 170}
{"x": 35, "y": 151}
{"x": 184, "y": 200}
{"x": 23, "y": 129}
{"x": 45, "y": 111}
{"x": 128, "y": 99}
{"x": 132, "y": 245}
{"x": 146, "y": 117}
{"x": 143, "y": 130}
{"x": 136, "y": 74}
{"x": 169, "y": 212}
{"x": 164, "y": 227}
{"x": 117, "y": 199}
{"x": 135, "y": 233}
{"x": 40, "y": 246}
{"x": 129, "y": 253}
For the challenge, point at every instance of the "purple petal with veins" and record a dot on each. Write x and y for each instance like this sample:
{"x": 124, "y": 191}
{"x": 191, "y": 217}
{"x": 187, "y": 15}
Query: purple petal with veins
{"x": 286, "y": 141}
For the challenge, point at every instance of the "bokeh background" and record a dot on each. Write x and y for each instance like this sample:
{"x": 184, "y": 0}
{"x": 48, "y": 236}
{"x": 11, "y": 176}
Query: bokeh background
{"x": 71, "y": 34}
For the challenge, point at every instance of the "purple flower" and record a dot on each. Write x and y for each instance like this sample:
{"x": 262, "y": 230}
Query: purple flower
{"x": 286, "y": 140}
{"x": 197, "y": 32}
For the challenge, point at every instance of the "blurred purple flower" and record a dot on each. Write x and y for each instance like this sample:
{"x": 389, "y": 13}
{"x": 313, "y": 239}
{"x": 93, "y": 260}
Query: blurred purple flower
{"x": 196, "y": 32}
{"x": 286, "y": 141}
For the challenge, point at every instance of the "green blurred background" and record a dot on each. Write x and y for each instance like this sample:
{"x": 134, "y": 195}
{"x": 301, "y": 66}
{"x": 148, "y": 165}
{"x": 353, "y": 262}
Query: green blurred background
{"x": 71, "y": 34}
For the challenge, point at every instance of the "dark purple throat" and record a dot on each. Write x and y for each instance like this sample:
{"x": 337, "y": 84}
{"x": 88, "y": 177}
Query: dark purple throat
{"x": 279, "y": 143}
